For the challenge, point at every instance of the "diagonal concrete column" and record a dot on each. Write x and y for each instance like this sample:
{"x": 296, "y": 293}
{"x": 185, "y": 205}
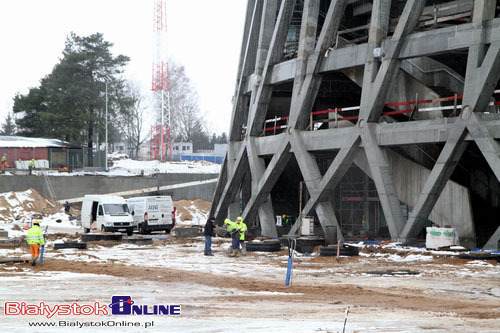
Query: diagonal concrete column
{"x": 331, "y": 178}
{"x": 269, "y": 178}
{"x": 377, "y": 78}
{"x": 235, "y": 176}
{"x": 260, "y": 101}
{"x": 381, "y": 171}
{"x": 246, "y": 65}
{"x": 263, "y": 93}
{"x": 219, "y": 188}
{"x": 312, "y": 179}
{"x": 480, "y": 81}
{"x": 265, "y": 210}
{"x": 492, "y": 243}
{"x": 307, "y": 81}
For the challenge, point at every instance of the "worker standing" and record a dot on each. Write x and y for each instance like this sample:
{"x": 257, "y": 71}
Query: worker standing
{"x": 208, "y": 232}
{"x": 31, "y": 165}
{"x": 34, "y": 238}
{"x": 3, "y": 163}
{"x": 243, "y": 229}
{"x": 67, "y": 208}
{"x": 232, "y": 228}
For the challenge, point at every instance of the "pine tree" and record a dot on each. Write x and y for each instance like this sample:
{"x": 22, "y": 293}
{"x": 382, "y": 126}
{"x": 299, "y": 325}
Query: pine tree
{"x": 70, "y": 102}
{"x": 9, "y": 127}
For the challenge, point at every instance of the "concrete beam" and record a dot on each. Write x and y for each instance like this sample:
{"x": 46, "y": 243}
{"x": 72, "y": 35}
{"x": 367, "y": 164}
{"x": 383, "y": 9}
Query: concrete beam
{"x": 418, "y": 44}
{"x": 387, "y": 134}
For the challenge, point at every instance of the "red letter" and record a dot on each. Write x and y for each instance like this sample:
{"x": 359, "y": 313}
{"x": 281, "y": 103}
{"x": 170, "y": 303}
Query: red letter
{"x": 11, "y": 309}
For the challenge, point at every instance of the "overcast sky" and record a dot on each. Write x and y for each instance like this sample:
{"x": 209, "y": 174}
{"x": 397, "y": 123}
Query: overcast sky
{"x": 204, "y": 36}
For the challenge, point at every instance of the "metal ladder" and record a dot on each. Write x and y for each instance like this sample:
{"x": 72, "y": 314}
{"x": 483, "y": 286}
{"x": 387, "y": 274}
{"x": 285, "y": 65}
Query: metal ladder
{"x": 48, "y": 184}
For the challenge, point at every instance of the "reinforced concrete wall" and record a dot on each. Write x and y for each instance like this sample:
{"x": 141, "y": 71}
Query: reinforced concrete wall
{"x": 77, "y": 186}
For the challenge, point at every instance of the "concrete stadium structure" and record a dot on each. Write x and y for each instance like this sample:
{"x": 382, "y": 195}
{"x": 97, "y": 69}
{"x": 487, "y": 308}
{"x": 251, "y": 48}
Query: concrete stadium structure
{"x": 385, "y": 110}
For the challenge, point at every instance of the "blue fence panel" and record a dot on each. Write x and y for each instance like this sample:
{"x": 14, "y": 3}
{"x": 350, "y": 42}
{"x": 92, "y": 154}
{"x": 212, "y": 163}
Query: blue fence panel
{"x": 208, "y": 158}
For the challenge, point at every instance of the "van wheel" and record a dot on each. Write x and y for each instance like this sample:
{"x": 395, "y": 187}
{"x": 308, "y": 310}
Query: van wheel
{"x": 167, "y": 230}
{"x": 86, "y": 230}
{"x": 130, "y": 232}
{"x": 103, "y": 228}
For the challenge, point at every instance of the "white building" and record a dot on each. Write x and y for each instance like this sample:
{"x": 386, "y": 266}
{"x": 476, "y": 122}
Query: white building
{"x": 182, "y": 148}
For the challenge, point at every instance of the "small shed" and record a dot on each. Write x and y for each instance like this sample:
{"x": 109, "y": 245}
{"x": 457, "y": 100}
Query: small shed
{"x": 48, "y": 153}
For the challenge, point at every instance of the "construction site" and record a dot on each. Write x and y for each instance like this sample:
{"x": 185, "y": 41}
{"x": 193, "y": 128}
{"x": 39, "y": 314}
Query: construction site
{"x": 362, "y": 159}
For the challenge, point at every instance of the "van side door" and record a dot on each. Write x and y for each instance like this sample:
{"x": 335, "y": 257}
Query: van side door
{"x": 100, "y": 217}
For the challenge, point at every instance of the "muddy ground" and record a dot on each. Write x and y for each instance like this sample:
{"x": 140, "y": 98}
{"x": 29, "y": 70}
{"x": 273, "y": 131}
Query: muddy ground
{"x": 399, "y": 293}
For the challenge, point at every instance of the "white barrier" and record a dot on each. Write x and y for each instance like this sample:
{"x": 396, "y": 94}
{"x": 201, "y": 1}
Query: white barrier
{"x": 39, "y": 164}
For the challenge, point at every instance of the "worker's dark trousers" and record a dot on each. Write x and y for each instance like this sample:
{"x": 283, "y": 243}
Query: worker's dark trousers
{"x": 208, "y": 244}
{"x": 235, "y": 241}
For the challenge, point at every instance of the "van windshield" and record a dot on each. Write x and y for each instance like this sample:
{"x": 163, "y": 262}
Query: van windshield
{"x": 113, "y": 209}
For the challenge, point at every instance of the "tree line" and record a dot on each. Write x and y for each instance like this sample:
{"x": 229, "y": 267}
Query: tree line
{"x": 69, "y": 103}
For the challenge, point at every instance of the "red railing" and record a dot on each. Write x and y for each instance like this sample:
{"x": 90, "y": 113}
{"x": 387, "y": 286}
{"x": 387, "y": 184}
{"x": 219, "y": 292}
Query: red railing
{"x": 279, "y": 123}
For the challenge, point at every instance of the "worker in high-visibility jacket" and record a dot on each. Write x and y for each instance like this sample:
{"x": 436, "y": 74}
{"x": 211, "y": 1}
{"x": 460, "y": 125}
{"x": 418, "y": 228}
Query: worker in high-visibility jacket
{"x": 34, "y": 238}
{"x": 232, "y": 228}
{"x": 243, "y": 229}
{"x": 31, "y": 165}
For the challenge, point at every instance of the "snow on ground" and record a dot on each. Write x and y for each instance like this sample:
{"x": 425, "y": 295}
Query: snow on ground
{"x": 20, "y": 204}
{"x": 128, "y": 167}
{"x": 192, "y": 212}
{"x": 17, "y": 210}
{"x": 131, "y": 167}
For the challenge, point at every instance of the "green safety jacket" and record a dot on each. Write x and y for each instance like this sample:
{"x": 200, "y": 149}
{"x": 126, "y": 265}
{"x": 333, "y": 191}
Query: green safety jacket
{"x": 243, "y": 229}
{"x": 231, "y": 226}
{"x": 34, "y": 235}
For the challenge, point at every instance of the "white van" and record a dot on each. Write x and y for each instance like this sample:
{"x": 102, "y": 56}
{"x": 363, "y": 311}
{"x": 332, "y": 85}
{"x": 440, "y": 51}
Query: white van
{"x": 109, "y": 212}
{"x": 155, "y": 213}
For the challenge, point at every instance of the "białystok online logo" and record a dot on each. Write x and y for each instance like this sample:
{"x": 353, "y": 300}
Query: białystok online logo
{"x": 120, "y": 305}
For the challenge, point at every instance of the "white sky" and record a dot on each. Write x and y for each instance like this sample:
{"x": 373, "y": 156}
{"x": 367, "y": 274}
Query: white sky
{"x": 204, "y": 36}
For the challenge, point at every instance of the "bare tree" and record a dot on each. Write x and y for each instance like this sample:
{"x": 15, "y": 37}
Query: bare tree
{"x": 187, "y": 122}
{"x": 132, "y": 120}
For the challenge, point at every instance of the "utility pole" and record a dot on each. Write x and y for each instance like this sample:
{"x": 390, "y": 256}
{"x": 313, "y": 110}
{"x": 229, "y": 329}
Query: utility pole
{"x": 106, "y": 135}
